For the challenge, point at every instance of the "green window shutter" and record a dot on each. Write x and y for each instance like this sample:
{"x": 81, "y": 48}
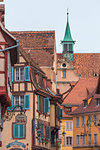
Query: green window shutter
{"x": 12, "y": 74}
{"x": 27, "y": 73}
{"x": 37, "y": 102}
{"x": 46, "y": 104}
{"x": 60, "y": 113}
{"x": 26, "y": 102}
{"x": 11, "y": 107}
{"x": 42, "y": 130}
{"x": 41, "y": 103}
{"x": 15, "y": 129}
{"x": 21, "y": 131}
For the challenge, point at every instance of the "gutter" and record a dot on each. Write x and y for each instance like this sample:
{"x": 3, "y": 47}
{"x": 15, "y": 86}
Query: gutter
{"x": 9, "y": 48}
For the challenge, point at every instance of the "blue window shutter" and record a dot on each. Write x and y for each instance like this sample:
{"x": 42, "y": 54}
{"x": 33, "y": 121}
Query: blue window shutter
{"x": 60, "y": 113}
{"x": 27, "y": 73}
{"x": 15, "y": 129}
{"x": 37, "y": 102}
{"x": 26, "y": 102}
{"x": 21, "y": 131}
{"x": 11, "y": 107}
{"x": 41, "y": 103}
{"x": 44, "y": 106}
{"x": 12, "y": 74}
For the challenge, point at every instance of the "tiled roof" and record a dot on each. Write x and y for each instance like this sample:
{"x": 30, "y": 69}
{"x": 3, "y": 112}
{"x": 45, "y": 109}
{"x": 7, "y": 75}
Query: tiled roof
{"x": 79, "y": 92}
{"x": 91, "y": 107}
{"x": 86, "y": 64}
{"x": 40, "y": 43}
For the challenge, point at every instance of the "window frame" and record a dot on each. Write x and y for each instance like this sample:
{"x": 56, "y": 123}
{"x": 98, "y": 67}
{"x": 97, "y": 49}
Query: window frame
{"x": 69, "y": 142}
{"x": 77, "y": 138}
{"x": 69, "y": 124}
{"x": 89, "y": 141}
{"x": 64, "y": 73}
{"x": 19, "y": 73}
{"x": 82, "y": 121}
{"x": 14, "y": 123}
{"x": 77, "y": 121}
{"x": 95, "y": 142}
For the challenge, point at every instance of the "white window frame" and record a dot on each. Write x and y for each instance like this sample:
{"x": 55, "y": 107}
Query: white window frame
{"x": 89, "y": 141}
{"x": 19, "y": 68}
{"x": 19, "y": 98}
{"x": 82, "y": 121}
{"x": 77, "y": 123}
{"x": 69, "y": 125}
{"x": 77, "y": 136}
{"x": 69, "y": 142}
{"x": 84, "y": 139}
{"x": 95, "y": 142}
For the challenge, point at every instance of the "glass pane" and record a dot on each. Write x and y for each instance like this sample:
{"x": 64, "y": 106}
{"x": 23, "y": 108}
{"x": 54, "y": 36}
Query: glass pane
{"x": 22, "y": 74}
{"x": 17, "y": 74}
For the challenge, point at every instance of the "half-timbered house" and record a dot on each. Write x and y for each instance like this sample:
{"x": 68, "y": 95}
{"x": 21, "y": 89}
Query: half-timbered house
{"x": 34, "y": 114}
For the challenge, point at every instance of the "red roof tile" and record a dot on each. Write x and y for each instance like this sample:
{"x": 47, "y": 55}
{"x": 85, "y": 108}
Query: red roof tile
{"x": 79, "y": 92}
{"x": 86, "y": 64}
{"x": 40, "y": 43}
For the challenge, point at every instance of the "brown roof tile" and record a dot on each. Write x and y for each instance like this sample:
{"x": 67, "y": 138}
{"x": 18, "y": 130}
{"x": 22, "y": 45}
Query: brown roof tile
{"x": 79, "y": 92}
{"x": 86, "y": 64}
{"x": 40, "y": 43}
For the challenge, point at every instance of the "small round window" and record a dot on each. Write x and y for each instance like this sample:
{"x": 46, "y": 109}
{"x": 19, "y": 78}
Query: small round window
{"x": 64, "y": 65}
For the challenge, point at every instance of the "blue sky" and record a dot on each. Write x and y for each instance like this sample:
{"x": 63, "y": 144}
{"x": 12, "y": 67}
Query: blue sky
{"x": 41, "y": 15}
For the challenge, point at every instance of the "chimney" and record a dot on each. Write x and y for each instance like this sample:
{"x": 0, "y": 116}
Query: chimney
{"x": 2, "y": 13}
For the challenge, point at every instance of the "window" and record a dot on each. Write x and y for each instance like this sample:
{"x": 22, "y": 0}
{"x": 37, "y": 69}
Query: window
{"x": 89, "y": 121}
{"x": 42, "y": 104}
{"x": 47, "y": 132}
{"x": 19, "y": 74}
{"x": 85, "y": 103}
{"x": 64, "y": 65}
{"x": 18, "y": 131}
{"x": 69, "y": 109}
{"x": 77, "y": 122}
{"x": 70, "y": 47}
{"x": 69, "y": 141}
{"x": 65, "y": 47}
{"x": 95, "y": 120}
{"x": 64, "y": 138}
{"x": 23, "y": 101}
{"x": 19, "y": 100}
{"x": 82, "y": 121}
{"x": 89, "y": 139}
{"x": 77, "y": 140}
{"x": 69, "y": 125}
{"x": 97, "y": 101}
{"x": 22, "y": 73}
{"x": 59, "y": 112}
{"x": 83, "y": 140}
{"x": 64, "y": 73}
{"x": 95, "y": 139}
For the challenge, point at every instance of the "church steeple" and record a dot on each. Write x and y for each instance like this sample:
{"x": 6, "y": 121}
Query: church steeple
{"x": 68, "y": 42}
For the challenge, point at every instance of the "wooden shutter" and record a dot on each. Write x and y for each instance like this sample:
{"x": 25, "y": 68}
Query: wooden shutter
{"x": 27, "y": 73}
{"x": 21, "y": 131}
{"x": 46, "y": 104}
{"x": 11, "y": 107}
{"x": 12, "y": 78}
{"x": 26, "y": 102}
{"x": 15, "y": 129}
{"x": 60, "y": 113}
{"x": 41, "y": 103}
{"x": 37, "y": 102}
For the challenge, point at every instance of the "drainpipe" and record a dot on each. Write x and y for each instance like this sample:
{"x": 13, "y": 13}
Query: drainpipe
{"x": 11, "y": 47}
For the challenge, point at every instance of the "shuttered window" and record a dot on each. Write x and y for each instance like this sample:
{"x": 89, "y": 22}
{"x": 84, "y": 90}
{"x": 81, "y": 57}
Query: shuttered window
{"x": 27, "y": 102}
{"x": 59, "y": 112}
{"x": 47, "y": 132}
{"x": 27, "y": 73}
{"x": 18, "y": 131}
{"x": 46, "y": 105}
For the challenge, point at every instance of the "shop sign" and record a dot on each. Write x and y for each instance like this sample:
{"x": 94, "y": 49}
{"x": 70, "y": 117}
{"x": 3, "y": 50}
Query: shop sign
{"x": 21, "y": 119}
{"x": 16, "y": 143}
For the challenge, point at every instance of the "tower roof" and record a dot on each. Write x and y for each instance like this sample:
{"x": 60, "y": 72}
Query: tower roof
{"x": 67, "y": 36}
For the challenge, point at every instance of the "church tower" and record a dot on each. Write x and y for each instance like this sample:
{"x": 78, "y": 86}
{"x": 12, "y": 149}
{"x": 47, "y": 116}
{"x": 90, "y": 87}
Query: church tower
{"x": 68, "y": 42}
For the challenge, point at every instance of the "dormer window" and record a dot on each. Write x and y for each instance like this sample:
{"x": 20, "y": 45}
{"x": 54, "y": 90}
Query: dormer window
{"x": 97, "y": 101}
{"x": 69, "y": 109}
{"x": 85, "y": 103}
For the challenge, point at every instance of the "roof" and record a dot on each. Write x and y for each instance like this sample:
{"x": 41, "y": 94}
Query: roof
{"x": 79, "y": 92}
{"x": 67, "y": 36}
{"x": 85, "y": 64}
{"x": 40, "y": 43}
{"x": 91, "y": 107}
